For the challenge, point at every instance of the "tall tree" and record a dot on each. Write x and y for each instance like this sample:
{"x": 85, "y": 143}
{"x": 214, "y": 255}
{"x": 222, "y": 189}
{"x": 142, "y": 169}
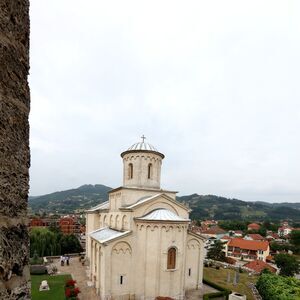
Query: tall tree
{"x": 215, "y": 252}
{"x": 288, "y": 264}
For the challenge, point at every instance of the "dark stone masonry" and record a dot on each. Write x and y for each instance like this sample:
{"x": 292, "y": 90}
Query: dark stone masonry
{"x": 14, "y": 149}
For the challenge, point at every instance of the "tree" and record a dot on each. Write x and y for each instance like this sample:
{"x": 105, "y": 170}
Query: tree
{"x": 295, "y": 237}
{"x": 288, "y": 264}
{"x": 70, "y": 244}
{"x": 216, "y": 251}
{"x": 295, "y": 240}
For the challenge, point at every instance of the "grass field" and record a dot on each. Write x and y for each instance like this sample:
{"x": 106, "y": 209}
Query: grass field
{"x": 220, "y": 277}
{"x": 56, "y": 284}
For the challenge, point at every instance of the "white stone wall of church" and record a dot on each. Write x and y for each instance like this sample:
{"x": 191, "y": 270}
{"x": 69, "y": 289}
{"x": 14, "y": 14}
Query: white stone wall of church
{"x": 140, "y": 162}
{"x": 151, "y": 266}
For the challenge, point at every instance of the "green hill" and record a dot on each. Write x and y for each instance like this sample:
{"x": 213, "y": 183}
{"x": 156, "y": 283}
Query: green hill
{"x": 203, "y": 206}
{"x": 221, "y": 208}
{"x": 82, "y": 198}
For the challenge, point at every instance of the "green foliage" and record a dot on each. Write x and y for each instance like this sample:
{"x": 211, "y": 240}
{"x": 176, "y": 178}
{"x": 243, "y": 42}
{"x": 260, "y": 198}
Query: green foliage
{"x": 288, "y": 264}
{"x": 215, "y": 252}
{"x": 221, "y": 208}
{"x": 268, "y": 225}
{"x": 223, "y": 292}
{"x": 295, "y": 237}
{"x": 274, "y": 287}
{"x": 70, "y": 244}
{"x": 275, "y": 246}
{"x": 45, "y": 242}
{"x": 233, "y": 225}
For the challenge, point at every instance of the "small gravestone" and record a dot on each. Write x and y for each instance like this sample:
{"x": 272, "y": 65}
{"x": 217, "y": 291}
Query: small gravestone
{"x": 44, "y": 286}
{"x": 228, "y": 276}
{"x": 235, "y": 279}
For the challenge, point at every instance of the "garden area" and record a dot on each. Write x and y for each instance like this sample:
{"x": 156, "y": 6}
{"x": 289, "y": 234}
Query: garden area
{"x": 220, "y": 277}
{"x": 56, "y": 284}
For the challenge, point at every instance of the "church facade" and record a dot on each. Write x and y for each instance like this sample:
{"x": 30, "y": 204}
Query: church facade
{"x": 138, "y": 242}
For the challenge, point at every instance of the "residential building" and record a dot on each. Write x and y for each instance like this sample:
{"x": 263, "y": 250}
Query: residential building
{"x": 254, "y": 237}
{"x": 258, "y": 266}
{"x": 253, "y": 226}
{"x": 247, "y": 250}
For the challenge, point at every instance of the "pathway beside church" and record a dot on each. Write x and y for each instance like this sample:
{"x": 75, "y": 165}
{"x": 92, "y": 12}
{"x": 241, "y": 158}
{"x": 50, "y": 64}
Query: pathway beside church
{"x": 78, "y": 273}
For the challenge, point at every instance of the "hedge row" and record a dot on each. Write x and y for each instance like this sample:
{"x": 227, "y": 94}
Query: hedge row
{"x": 223, "y": 292}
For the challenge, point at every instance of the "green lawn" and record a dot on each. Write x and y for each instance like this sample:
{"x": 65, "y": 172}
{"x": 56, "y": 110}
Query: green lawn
{"x": 220, "y": 277}
{"x": 56, "y": 284}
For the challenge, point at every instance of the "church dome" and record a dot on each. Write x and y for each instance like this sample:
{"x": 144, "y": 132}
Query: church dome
{"x": 142, "y": 146}
{"x": 162, "y": 214}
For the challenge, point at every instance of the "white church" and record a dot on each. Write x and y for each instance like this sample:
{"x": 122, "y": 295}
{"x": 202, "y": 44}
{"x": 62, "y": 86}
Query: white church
{"x": 138, "y": 242}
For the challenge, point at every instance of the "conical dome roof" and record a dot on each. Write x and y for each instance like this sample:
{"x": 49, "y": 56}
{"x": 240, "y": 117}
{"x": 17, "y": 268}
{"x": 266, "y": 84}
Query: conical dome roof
{"x": 142, "y": 146}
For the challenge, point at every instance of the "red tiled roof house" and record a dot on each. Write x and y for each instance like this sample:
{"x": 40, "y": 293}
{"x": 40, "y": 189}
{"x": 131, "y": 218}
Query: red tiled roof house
{"x": 258, "y": 266}
{"x": 247, "y": 250}
{"x": 253, "y": 226}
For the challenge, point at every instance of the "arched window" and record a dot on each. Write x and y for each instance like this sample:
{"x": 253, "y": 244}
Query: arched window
{"x": 171, "y": 263}
{"x": 149, "y": 171}
{"x": 130, "y": 171}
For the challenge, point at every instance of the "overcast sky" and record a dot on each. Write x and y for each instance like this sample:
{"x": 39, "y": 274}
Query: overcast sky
{"x": 214, "y": 85}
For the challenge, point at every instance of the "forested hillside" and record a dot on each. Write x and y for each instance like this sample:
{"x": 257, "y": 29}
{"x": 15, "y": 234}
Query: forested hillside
{"x": 203, "y": 206}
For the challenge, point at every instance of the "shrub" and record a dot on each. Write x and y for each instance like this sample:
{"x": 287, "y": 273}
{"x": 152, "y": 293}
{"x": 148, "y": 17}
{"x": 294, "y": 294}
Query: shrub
{"x": 271, "y": 286}
{"x": 38, "y": 270}
{"x": 223, "y": 292}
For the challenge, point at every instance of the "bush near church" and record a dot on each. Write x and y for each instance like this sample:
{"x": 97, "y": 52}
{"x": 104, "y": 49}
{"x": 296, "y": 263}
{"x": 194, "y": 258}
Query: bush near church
{"x": 275, "y": 287}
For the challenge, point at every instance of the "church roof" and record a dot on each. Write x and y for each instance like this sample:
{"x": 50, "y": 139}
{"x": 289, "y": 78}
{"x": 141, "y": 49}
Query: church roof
{"x": 162, "y": 214}
{"x": 142, "y": 146}
{"x": 107, "y": 234}
{"x": 142, "y": 200}
{"x": 104, "y": 205}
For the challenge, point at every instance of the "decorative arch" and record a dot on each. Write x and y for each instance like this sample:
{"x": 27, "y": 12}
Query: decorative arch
{"x": 105, "y": 220}
{"x": 193, "y": 244}
{"x": 171, "y": 259}
{"x": 111, "y": 221}
{"x": 121, "y": 248}
{"x": 124, "y": 222}
{"x": 117, "y": 221}
{"x": 160, "y": 204}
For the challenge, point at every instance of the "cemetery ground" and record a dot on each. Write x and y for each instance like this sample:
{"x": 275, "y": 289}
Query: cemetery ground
{"x": 56, "y": 284}
{"x": 220, "y": 277}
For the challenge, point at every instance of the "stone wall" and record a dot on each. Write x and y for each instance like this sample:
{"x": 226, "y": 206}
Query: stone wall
{"x": 14, "y": 149}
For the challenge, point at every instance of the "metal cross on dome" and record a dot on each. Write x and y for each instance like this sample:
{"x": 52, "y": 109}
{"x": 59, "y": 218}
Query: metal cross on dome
{"x": 143, "y": 138}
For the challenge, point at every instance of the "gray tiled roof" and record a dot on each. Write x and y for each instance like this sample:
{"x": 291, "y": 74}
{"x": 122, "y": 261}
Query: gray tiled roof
{"x": 106, "y": 234}
{"x": 142, "y": 146}
{"x": 104, "y": 205}
{"x": 142, "y": 200}
{"x": 162, "y": 214}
